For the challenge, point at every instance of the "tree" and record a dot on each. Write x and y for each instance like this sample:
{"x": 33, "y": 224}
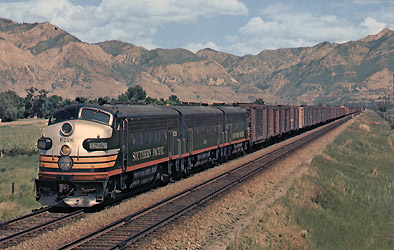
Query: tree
{"x": 29, "y": 102}
{"x": 173, "y": 99}
{"x": 11, "y": 106}
{"x": 81, "y": 99}
{"x": 150, "y": 100}
{"x": 100, "y": 100}
{"x": 54, "y": 102}
{"x": 36, "y": 103}
{"x": 259, "y": 101}
{"x": 133, "y": 94}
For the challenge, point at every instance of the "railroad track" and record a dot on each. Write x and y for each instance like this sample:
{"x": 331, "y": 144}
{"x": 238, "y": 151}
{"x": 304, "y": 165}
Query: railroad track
{"x": 15, "y": 231}
{"x": 124, "y": 232}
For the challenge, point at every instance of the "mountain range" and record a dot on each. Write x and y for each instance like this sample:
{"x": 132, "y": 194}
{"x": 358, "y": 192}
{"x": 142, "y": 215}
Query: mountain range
{"x": 44, "y": 56}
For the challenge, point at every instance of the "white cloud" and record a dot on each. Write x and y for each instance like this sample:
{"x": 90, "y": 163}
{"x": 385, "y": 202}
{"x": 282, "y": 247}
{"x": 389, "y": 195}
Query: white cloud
{"x": 130, "y": 21}
{"x": 283, "y": 26}
{"x": 194, "y": 47}
{"x": 364, "y": 2}
{"x": 257, "y": 26}
{"x": 228, "y": 7}
{"x": 372, "y": 25}
{"x": 294, "y": 24}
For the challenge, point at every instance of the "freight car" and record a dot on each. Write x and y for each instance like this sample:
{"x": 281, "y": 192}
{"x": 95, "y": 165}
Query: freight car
{"x": 270, "y": 123}
{"x": 91, "y": 153}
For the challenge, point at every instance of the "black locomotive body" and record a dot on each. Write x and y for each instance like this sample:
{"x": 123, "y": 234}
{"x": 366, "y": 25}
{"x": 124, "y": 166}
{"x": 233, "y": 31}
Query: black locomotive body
{"x": 91, "y": 153}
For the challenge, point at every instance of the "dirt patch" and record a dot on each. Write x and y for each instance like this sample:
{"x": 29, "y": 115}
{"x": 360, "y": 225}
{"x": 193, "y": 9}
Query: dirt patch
{"x": 329, "y": 158}
{"x": 365, "y": 127}
{"x": 390, "y": 140}
{"x": 23, "y": 122}
{"x": 347, "y": 142}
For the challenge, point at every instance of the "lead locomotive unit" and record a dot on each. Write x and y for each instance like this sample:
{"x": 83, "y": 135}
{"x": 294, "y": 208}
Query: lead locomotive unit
{"x": 90, "y": 153}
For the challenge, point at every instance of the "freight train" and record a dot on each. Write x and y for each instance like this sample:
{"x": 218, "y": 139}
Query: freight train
{"x": 92, "y": 153}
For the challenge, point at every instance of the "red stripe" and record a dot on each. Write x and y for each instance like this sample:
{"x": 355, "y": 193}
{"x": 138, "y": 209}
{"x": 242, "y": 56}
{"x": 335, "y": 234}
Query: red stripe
{"x": 146, "y": 164}
{"x": 204, "y": 150}
{"x": 174, "y": 157}
{"x": 105, "y": 175}
{"x": 242, "y": 140}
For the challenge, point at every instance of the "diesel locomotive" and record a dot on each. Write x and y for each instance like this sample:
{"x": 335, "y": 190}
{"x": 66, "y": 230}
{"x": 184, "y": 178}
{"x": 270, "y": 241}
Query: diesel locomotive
{"x": 91, "y": 153}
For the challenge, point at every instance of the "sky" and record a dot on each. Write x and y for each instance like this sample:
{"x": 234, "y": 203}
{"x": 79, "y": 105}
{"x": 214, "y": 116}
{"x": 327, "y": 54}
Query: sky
{"x": 238, "y": 27}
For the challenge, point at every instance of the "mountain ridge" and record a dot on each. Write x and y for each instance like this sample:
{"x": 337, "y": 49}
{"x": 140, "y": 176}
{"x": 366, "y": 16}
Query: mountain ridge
{"x": 44, "y": 56}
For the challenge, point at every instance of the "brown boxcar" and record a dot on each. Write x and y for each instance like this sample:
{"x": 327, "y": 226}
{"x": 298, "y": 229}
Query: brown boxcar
{"x": 258, "y": 121}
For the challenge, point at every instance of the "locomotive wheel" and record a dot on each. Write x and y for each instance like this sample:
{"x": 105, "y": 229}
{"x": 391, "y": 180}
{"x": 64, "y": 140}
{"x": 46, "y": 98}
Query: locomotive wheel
{"x": 111, "y": 189}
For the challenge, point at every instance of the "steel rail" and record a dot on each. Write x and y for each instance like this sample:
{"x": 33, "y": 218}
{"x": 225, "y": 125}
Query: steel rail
{"x": 16, "y": 238}
{"x": 33, "y": 213}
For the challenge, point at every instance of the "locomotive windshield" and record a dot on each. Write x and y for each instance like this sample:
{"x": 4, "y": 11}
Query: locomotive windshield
{"x": 85, "y": 113}
{"x": 95, "y": 115}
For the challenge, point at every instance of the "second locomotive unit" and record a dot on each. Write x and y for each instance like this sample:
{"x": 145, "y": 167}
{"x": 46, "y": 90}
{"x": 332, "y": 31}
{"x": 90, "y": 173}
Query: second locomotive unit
{"x": 90, "y": 153}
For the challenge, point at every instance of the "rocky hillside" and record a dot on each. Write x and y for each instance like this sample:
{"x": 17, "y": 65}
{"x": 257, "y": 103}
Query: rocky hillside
{"x": 44, "y": 56}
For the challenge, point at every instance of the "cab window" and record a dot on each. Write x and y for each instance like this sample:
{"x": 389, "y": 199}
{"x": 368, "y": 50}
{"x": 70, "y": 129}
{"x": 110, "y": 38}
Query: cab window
{"x": 95, "y": 115}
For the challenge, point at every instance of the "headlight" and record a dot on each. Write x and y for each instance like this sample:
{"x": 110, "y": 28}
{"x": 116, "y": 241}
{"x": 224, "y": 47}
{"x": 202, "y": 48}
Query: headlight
{"x": 67, "y": 129}
{"x": 95, "y": 144}
{"x": 65, "y": 150}
{"x": 65, "y": 163}
{"x": 44, "y": 143}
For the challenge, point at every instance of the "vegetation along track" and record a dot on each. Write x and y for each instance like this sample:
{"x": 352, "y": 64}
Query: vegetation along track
{"x": 13, "y": 232}
{"x": 128, "y": 230}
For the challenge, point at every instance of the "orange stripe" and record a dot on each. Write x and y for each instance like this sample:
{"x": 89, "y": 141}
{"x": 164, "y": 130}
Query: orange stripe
{"x": 94, "y": 159}
{"x": 48, "y": 165}
{"x": 55, "y": 159}
{"x": 80, "y": 166}
{"x": 94, "y": 165}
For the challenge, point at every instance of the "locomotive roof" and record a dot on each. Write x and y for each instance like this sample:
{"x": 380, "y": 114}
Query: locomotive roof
{"x": 197, "y": 110}
{"x": 76, "y": 107}
{"x": 124, "y": 110}
{"x": 231, "y": 110}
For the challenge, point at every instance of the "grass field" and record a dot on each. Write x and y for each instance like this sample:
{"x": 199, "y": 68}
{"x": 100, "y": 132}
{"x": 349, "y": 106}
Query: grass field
{"x": 18, "y": 165}
{"x": 345, "y": 202}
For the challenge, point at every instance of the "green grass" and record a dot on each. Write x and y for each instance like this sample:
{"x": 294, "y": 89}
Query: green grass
{"x": 347, "y": 204}
{"x": 19, "y": 165}
{"x": 19, "y": 139}
{"x": 20, "y": 170}
{"x": 354, "y": 192}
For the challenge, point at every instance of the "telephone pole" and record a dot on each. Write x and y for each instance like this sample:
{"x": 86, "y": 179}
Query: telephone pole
{"x": 388, "y": 104}
{"x": 393, "y": 103}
